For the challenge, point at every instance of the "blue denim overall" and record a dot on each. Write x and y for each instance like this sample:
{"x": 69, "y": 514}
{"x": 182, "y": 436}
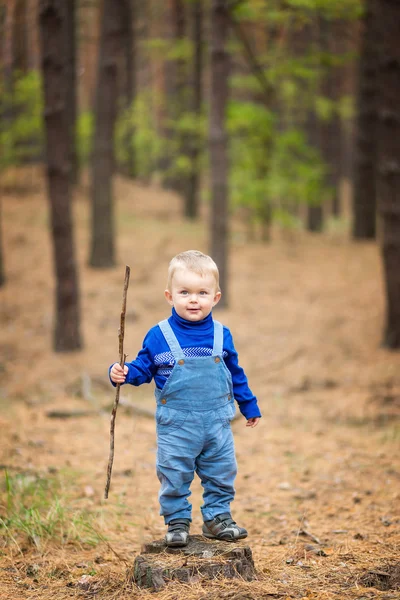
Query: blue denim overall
{"x": 193, "y": 416}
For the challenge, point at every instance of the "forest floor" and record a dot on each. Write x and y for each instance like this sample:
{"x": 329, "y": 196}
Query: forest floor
{"x": 319, "y": 479}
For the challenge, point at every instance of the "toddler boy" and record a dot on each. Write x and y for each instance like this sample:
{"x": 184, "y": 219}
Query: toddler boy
{"x": 195, "y": 367}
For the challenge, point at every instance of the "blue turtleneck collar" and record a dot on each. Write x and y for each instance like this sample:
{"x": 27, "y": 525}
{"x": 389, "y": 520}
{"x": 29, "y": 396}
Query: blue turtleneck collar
{"x": 185, "y": 324}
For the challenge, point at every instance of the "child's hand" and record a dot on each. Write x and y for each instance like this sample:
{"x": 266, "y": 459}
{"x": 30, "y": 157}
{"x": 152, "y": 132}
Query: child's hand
{"x": 252, "y": 422}
{"x": 117, "y": 374}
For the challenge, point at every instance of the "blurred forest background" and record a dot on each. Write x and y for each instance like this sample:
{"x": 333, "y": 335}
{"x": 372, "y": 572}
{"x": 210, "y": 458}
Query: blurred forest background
{"x": 267, "y": 134}
{"x": 270, "y": 110}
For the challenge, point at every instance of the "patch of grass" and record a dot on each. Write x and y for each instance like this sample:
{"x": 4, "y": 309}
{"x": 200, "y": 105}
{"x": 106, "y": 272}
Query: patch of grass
{"x": 36, "y": 510}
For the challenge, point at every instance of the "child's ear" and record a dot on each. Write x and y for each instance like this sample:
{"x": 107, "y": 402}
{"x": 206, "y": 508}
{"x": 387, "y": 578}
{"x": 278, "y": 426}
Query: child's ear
{"x": 217, "y": 298}
{"x": 168, "y": 297}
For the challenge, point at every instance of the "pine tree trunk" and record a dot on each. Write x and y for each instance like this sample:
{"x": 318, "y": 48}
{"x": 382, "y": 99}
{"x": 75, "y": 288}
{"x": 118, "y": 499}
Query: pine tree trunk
{"x": 306, "y": 42}
{"x": 102, "y": 252}
{"x": 388, "y": 163}
{"x": 89, "y": 15}
{"x": 219, "y": 66}
{"x": 32, "y": 32}
{"x": 180, "y": 106}
{"x": 351, "y": 35}
{"x": 129, "y": 89}
{"x": 175, "y": 77}
{"x": 314, "y": 212}
{"x": 53, "y": 30}
{"x": 72, "y": 83}
{"x": 364, "y": 198}
{"x": 3, "y": 21}
{"x": 2, "y": 273}
{"x": 331, "y": 38}
{"x": 7, "y": 68}
{"x": 19, "y": 37}
{"x": 147, "y": 68}
{"x": 193, "y": 184}
{"x": 155, "y": 17}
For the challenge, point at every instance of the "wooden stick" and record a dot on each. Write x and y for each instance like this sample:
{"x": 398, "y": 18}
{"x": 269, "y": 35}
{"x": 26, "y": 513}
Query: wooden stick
{"x": 122, "y": 358}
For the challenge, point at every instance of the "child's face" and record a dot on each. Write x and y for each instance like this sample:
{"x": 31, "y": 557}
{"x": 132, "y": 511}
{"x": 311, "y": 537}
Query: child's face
{"x": 192, "y": 295}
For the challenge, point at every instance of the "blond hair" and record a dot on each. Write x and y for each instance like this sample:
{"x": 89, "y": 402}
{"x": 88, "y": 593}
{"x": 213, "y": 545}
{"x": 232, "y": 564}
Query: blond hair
{"x": 194, "y": 261}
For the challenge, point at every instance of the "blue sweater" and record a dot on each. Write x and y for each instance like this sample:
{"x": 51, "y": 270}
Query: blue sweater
{"x": 196, "y": 338}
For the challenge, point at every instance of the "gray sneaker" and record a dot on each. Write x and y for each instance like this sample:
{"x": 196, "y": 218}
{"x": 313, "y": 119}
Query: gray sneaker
{"x": 178, "y": 533}
{"x": 223, "y": 527}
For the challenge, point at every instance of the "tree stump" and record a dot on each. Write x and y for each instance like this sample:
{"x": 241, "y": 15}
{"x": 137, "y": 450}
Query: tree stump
{"x": 201, "y": 558}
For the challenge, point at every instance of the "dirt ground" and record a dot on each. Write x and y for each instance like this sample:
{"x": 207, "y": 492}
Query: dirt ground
{"x": 319, "y": 478}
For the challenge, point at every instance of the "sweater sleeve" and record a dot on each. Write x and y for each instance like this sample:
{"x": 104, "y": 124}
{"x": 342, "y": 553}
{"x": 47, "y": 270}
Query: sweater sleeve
{"x": 243, "y": 395}
{"x": 142, "y": 369}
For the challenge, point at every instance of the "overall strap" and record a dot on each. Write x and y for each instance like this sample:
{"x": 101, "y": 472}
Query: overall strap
{"x": 171, "y": 340}
{"x": 218, "y": 338}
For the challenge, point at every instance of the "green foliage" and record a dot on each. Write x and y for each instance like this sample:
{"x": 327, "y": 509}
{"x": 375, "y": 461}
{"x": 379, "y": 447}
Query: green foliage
{"x": 180, "y": 50}
{"x": 334, "y": 9}
{"x": 273, "y": 171}
{"x": 251, "y": 128}
{"x": 189, "y": 131}
{"x": 37, "y": 510}
{"x": 270, "y": 169}
{"x": 297, "y": 171}
{"x": 156, "y": 47}
{"x": 325, "y": 108}
{"x": 346, "y": 107}
{"x": 21, "y": 126}
{"x": 137, "y": 125}
{"x": 84, "y": 133}
{"x": 275, "y": 13}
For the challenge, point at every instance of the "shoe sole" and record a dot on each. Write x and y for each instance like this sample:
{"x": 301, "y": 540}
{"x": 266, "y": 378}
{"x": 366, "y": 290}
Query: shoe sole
{"x": 176, "y": 545}
{"x": 210, "y": 536}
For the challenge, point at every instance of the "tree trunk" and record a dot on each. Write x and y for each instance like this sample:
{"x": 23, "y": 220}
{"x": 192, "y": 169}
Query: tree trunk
{"x": 314, "y": 212}
{"x": 156, "y": 29}
{"x": 129, "y": 91}
{"x": 364, "y": 197}
{"x": 305, "y": 42}
{"x": 388, "y": 163}
{"x": 332, "y": 33}
{"x": 219, "y": 67}
{"x": 32, "y": 31}
{"x": 71, "y": 87}
{"x": 348, "y": 85}
{"x": 103, "y": 160}
{"x": 193, "y": 184}
{"x": 2, "y": 274}
{"x": 7, "y": 72}
{"x": 89, "y": 39}
{"x": 208, "y": 559}
{"x": 53, "y": 30}
{"x": 175, "y": 80}
{"x": 19, "y": 37}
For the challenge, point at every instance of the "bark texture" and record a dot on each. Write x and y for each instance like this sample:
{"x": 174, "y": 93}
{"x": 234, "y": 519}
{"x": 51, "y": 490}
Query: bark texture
{"x": 2, "y": 273}
{"x": 129, "y": 81}
{"x": 175, "y": 102}
{"x": 330, "y": 129}
{"x": 388, "y": 163}
{"x": 364, "y": 197}
{"x": 72, "y": 85}
{"x": 102, "y": 252}
{"x": 200, "y": 559}
{"x": 193, "y": 183}
{"x": 53, "y": 30}
{"x": 218, "y": 141}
